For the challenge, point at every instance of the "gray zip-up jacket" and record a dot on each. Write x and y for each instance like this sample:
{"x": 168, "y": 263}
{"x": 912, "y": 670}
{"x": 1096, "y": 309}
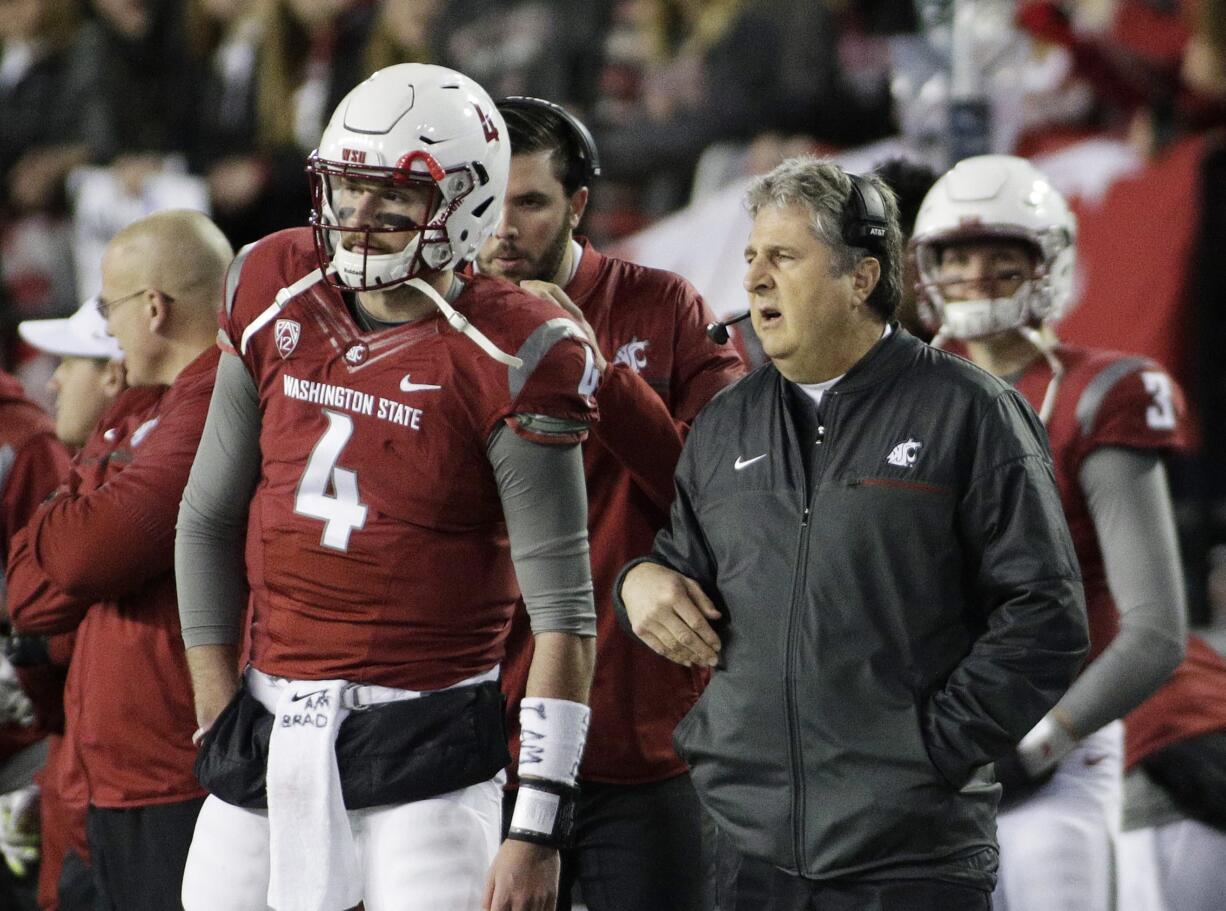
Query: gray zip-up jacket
{"x": 891, "y": 624}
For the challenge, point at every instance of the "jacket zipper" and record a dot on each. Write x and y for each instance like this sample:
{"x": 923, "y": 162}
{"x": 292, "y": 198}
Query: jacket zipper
{"x": 798, "y": 580}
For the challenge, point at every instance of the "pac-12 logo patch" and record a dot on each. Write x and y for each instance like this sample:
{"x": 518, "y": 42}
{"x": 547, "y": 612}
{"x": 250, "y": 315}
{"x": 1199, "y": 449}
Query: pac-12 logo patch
{"x": 287, "y": 332}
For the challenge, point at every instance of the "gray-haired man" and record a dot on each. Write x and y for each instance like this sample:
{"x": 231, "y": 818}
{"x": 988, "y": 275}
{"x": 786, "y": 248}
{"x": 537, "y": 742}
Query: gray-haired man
{"x": 867, "y": 544}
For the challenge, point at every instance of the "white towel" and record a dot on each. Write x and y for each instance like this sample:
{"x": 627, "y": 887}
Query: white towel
{"x": 313, "y": 857}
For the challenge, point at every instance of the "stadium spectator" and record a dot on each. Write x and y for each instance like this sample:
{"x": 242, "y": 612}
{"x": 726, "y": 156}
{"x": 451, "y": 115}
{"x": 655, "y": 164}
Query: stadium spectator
{"x": 404, "y": 31}
{"x": 43, "y": 104}
{"x": 269, "y": 75}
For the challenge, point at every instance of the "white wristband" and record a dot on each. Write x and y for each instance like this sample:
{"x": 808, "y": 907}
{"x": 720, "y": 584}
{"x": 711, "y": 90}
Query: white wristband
{"x": 535, "y": 811}
{"x": 1047, "y": 743}
{"x": 551, "y": 739}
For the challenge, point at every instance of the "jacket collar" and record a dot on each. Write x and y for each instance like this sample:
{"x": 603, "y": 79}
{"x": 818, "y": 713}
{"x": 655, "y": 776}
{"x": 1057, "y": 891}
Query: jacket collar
{"x": 883, "y": 360}
{"x": 590, "y": 265}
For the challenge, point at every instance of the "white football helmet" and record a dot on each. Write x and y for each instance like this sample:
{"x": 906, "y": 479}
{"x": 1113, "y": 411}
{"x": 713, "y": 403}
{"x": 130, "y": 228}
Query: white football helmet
{"x": 412, "y": 123}
{"x": 995, "y": 196}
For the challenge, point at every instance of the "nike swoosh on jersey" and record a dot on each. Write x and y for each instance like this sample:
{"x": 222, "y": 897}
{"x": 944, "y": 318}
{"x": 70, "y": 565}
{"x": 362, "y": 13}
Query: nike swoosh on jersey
{"x": 406, "y": 385}
{"x": 745, "y": 463}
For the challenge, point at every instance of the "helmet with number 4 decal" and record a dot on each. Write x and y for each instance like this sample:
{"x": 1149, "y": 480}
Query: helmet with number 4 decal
{"x": 411, "y": 124}
{"x": 995, "y": 197}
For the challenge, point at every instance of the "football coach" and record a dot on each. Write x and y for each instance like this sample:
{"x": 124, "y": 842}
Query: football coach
{"x": 867, "y": 545}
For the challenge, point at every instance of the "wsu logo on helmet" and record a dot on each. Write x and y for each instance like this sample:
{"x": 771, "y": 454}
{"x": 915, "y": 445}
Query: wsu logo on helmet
{"x": 287, "y": 332}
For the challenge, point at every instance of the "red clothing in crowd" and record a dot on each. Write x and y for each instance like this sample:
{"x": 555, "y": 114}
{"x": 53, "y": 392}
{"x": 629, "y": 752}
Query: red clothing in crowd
{"x": 663, "y": 368}
{"x": 65, "y": 798}
{"x": 32, "y": 462}
{"x": 99, "y": 558}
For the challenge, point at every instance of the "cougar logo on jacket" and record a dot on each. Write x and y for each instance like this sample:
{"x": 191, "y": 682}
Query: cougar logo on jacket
{"x": 904, "y": 454}
{"x": 633, "y": 354}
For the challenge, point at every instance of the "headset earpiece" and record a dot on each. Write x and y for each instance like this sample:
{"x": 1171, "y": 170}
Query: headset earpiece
{"x": 864, "y": 218}
{"x": 583, "y": 172}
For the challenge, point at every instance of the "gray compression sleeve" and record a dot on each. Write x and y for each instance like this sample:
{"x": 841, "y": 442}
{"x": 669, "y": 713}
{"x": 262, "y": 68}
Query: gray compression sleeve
{"x": 545, "y": 503}
{"x": 210, "y": 569}
{"x": 1127, "y": 495}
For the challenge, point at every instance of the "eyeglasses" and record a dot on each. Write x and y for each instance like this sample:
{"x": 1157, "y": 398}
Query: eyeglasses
{"x": 106, "y": 307}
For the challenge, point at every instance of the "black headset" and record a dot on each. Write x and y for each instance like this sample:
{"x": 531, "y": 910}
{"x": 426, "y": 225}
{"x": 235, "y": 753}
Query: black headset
{"x": 864, "y": 221}
{"x": 586, "y": 169}
{"x": 864, "y": 226}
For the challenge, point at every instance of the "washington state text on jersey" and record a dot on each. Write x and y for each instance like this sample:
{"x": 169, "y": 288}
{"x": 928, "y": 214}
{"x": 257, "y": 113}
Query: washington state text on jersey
{"x": 353, "y": 400}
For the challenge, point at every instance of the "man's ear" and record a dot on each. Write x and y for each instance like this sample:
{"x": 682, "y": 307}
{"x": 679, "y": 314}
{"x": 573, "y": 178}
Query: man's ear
{"x": 114, "y": 379}
{"x": 159, "y": 312}
{"x": 865, "y": 276}
{"x": 578, "y": 205}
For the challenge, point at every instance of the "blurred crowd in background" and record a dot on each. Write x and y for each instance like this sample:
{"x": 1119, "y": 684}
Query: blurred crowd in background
{"x": 112, "y": 109}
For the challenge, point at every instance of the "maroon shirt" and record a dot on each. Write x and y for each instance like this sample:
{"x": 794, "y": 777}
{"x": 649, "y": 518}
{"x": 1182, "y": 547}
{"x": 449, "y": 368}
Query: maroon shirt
{"x": 99, "y": 558}
{"x": 376, "y": 545}
{"x": 663, "y": 368}
{"x": 32, "y": 462}
{"x": 1105, "y": 399}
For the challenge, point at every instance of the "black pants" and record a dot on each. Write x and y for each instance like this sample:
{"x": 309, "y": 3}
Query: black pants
{"x": 76, "y": 888}
{"x": 18, "y": 893}
{"x": 1193, "y": 772}
{"x": 138, "y": 854}
{"x": 746, "y": 884}
{"x": 637, "y": 848}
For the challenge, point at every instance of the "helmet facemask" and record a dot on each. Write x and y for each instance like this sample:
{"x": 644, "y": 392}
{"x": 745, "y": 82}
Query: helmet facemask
{"x": 1035, "y": 299}
{"x": 430, "y": 248}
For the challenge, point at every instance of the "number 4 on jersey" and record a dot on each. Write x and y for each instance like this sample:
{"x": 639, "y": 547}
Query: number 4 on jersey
{"x": 341, "y": 511}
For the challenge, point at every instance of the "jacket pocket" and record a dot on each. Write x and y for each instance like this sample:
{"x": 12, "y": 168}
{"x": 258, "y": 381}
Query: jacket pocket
{"x": 916, "y": 486}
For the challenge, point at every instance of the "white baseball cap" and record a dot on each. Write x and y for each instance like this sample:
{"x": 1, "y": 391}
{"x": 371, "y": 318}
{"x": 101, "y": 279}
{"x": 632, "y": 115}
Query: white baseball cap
{"x": 81, "y": 335}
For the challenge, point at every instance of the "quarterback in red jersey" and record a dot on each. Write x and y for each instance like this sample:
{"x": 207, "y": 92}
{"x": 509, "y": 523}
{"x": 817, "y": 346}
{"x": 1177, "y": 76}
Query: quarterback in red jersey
{"x": 638, "y": 842}
{"x": 995, "y": 248}
{"x": 400, "y": 444}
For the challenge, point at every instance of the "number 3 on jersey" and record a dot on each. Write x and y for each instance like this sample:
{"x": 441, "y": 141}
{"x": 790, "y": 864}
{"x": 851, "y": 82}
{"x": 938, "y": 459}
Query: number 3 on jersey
{"x": 1161, "y": 414}
{"x": 340, "y": 511}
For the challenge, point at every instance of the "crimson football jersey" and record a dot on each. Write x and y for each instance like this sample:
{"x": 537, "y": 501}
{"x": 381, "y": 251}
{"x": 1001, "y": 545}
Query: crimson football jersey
{"x": 376, "y": 545}
{"x": 1105, "y": 399}
{"x": 662, "y": 369}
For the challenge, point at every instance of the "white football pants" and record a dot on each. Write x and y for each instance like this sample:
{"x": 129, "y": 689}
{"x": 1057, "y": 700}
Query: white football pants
{"x": 429, "y": 855}
{"x": 1057, "y": 847}
{"x": 1178, "y": 866}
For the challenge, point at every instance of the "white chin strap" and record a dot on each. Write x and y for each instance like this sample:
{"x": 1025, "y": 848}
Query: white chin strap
{"x": 460, "y": 323}
{"x": 1044, "y": 348}
{"x": 986, "y": 316}
{"x": 358, "y": 270}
